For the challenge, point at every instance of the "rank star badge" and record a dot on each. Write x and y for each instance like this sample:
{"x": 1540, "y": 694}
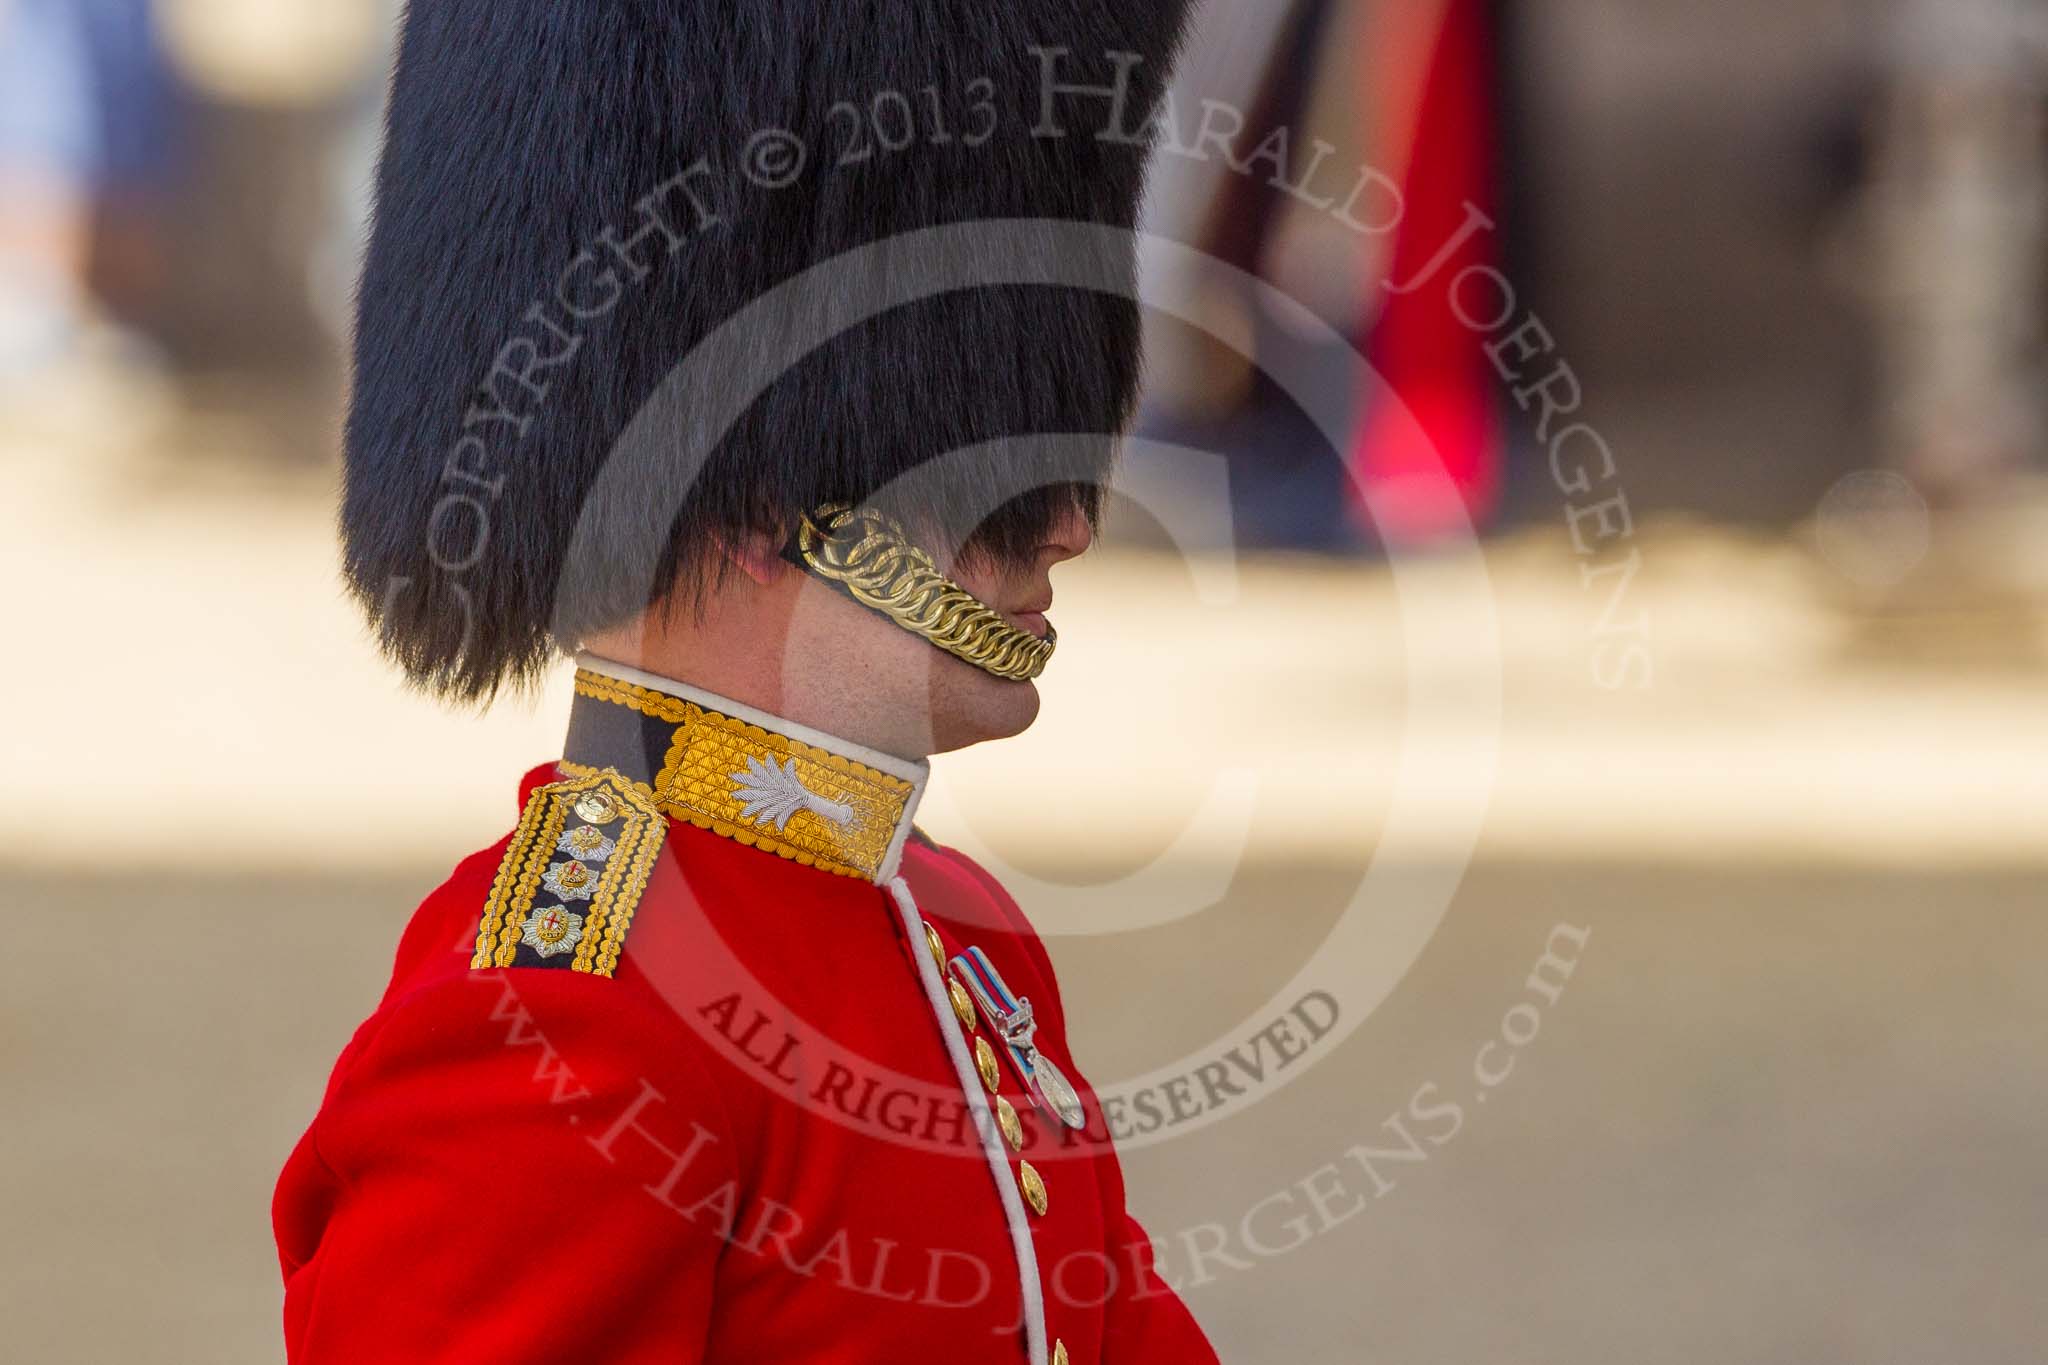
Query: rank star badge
{"x": 586, "y": 842}
{"x": 552, "y": 929}
{"x": 572, "y": 881}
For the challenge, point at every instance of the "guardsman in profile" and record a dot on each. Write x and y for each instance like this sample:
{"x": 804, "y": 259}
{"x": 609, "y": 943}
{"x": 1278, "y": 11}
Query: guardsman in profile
{"x": 765, "y": 357}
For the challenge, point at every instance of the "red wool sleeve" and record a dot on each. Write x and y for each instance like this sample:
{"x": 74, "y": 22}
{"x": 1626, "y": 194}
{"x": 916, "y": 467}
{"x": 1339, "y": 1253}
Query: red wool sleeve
{"x": 509, "y": 1168}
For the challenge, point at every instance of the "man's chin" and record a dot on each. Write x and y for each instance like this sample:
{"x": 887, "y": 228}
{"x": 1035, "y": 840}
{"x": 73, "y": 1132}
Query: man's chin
{"x": 986, "y": 708}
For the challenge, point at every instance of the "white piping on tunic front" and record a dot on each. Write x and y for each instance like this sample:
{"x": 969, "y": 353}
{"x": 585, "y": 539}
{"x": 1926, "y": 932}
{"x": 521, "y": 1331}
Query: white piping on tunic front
{"x": 984, "y": 1121}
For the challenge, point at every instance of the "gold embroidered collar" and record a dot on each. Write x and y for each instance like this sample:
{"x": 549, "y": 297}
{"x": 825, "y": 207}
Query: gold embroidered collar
{"x": 741, "y": 773}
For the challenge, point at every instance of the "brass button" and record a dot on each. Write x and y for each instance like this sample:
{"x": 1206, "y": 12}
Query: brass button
{"x": 1059, "y": 1353}
{"x": 1006, "y": 1119}
{"x": 931, "y": 941}
{"x": 963, "y": 1004}
{"x": 985, "y": 1061}
{"x": 1034, "y": 1188}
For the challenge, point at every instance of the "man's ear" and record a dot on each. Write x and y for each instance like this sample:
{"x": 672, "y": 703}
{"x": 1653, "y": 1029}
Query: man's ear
{"x": 758, "y": 555}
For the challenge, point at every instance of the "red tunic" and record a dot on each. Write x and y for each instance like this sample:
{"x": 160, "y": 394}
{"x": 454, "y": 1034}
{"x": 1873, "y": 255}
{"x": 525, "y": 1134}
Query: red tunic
{"x": 750, "y": 1143}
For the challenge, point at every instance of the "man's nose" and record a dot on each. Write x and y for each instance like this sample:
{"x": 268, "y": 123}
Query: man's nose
{"x": 1068, "y": 538}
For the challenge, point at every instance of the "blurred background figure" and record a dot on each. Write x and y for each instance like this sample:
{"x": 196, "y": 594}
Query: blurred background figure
{"x": 1816, "y": 230}
{"x": 1959, "y": 194}
{"x": 185, "y": 186}
{"x": 1360, "y": 172}
{"x": 87, "y": 148}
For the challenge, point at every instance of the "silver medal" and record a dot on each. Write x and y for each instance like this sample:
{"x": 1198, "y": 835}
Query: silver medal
{"x": 1054, "y": 1092}
{"x": 1012, "y": 1018}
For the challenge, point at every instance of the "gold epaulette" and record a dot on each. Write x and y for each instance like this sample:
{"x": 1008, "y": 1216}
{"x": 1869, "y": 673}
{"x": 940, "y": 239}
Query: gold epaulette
{"x": 572, "y": 876}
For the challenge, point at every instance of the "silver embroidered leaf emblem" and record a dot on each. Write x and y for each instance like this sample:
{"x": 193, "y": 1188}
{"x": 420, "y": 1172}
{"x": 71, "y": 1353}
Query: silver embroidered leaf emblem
{"x": 769, "y": 794}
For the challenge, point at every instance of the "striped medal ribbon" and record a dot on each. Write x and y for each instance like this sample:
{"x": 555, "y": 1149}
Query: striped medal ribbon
{"x": 1047, "y": 1085}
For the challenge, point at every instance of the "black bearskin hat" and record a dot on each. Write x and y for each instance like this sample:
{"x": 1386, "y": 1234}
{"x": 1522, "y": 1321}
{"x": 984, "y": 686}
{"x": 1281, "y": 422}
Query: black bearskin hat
{"x": 577, "y": 368}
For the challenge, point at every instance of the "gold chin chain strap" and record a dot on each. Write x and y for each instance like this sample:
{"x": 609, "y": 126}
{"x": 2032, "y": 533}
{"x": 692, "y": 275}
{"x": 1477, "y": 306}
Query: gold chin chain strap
{"x": 868, "y": 554}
